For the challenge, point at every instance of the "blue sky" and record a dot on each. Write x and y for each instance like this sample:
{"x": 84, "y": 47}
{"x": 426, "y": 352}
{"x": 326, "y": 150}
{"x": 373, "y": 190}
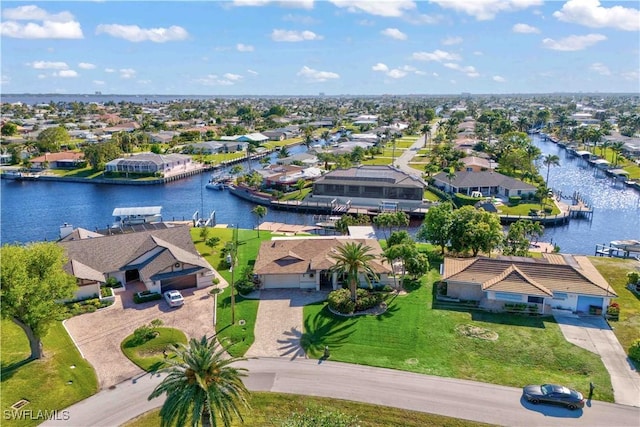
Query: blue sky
{"x": 305, "y": 47}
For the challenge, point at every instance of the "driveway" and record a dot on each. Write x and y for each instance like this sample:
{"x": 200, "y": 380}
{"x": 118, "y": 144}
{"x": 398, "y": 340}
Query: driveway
{"x": 98, "y": 335}
{"x": 279, "y": 322}
{"x": 594, "y": 334}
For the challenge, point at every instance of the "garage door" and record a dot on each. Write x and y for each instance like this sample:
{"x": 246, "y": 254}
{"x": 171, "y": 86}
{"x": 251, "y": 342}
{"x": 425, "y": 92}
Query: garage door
{"x": 584, "y": 302}
{"x": 178, "y": 283}
{"x": 278, "y": 281}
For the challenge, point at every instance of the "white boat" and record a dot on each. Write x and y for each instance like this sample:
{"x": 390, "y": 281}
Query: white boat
{"x": 215, "y": 185}
{"x": 136, "y": 215}
{"x": 626, "y": 245}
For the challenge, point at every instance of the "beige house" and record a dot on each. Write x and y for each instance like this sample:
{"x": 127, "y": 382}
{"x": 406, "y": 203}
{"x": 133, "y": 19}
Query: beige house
{"x": 554, "y": 282}
{"x": 306, "y": 263}
{"x": 162, "y": 259}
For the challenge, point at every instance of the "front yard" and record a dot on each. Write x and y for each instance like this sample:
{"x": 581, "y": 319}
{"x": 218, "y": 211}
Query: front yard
{"x": 58, "y": 380}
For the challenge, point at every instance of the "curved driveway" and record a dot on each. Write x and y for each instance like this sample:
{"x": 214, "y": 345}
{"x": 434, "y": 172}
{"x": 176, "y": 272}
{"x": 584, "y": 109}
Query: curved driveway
{"x": 445, "y": 396}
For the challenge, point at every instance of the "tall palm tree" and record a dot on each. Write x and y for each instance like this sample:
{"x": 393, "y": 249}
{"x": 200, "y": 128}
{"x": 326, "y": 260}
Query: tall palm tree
{"x": 617, "y": 148}
{"x": 260, "y": 212}
{"x": 201, "y": 385}
{"x": 352, "y": 259}
{"x": 550, "y": 160}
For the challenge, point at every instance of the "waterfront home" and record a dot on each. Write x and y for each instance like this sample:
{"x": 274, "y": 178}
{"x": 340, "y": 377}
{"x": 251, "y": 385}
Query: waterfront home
{"x": 161, "y": 259}
{"x": 489, "y": 183}
{"x": 554, "y": 282}
{"x": 476, "y": 164}
{"x": 279, "y": 134}
{"x": 61, "y": 160}
{"x": 150, "y": 163}
{"x": 305, "y": 159}
{"x": 250, "y": 137}
{"x": 307, "y": 263}
{"x": 368, "y": 181}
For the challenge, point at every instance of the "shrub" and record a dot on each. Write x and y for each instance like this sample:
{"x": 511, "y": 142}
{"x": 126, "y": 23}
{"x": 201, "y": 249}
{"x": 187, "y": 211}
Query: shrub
{"x": 340, "y": 301}
{"x": 366, "y": 300}
{"x": 112, "y": 282}
{"x": 145, "y": 296}
{"x": 215, "y": 280}
{"x": 105, "y": 292}
{"x": 633, "y": 277}
{"x": 143, "y": 334}
{"x": 245, "y": 287}
{"x": 634, "y": 350}
{"x": 514, "y": 200}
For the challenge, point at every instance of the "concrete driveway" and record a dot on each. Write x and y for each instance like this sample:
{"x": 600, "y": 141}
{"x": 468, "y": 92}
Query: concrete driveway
{"x": 98, "y": 335}
{"x": 279, "y": 322}
{"x": 594, "y": 334}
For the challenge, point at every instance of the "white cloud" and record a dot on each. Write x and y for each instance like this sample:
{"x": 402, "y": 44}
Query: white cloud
{"x": 394, "y": 9}
{"x": 66, "y": 73}
{"x": 300, "y": 19}
{"x": 4, "y": 79}
{"x": 109, "y": 70}
{"x": 317, "y": 76}
{"x": 380, "y": 67}
{"x": 244, "y": 47}
{"x": 572, "y": 43}
{"x": 469, "y": 70}
{"x": 42, "y": 76}
{"x": 499, "y": 79}
{"x": 144, "y": 82}
{"x": 394, "y": 33}
{"x": 47, "y": 26}
{"x": 46, "y": 65}
{"x": 396, "y": 73}
{"x": 298, "y": 4}
{"x": 437, "y": 55}
{"x": 86, "y": 66}
{"x": 524, "y": 29}
{"x": 631, "y": 75}
{"x": 133, "y": 33}
{"x": 127, "y": 73}
{"x": 232, "y": 77}
{"x": 484, "y": 10}
{"x": 255, "y": 73}
{"x": 477, "y": 53}
{"x": 214, "y": 80}
{"x": 600, "y": 68}
{"x": 451, "y": 41}
{"x": 99, "y": 82}
{"x": 591, "y": 14}
{"x": 294, "y": 36}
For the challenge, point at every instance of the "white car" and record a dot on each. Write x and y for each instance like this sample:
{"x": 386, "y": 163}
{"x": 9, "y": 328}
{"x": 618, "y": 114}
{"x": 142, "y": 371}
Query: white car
{"x": 174, "y": 298}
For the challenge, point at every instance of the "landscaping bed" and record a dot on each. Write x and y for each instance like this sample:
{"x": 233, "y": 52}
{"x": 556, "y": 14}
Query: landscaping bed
{"x": 148, "y": 355}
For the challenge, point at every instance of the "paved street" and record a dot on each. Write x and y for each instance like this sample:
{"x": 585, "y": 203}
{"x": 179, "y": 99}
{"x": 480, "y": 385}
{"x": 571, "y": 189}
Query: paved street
{"x": 446, "y": 396}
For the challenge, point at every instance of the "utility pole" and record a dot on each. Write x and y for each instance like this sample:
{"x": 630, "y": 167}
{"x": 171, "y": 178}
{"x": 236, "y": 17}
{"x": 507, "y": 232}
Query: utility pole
{"x": 234, "y": 248}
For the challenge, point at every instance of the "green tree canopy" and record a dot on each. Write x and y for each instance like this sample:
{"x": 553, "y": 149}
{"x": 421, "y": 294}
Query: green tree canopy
{"x": 52, "y": 138}
{"x": 519, "y": 237}
{"x": 260, "y": 212}
{"x": 33, "y": 284}
{"x": 437, "y": 225}
{"x": 9, "y": 129}
{"x": 353, "y": 259}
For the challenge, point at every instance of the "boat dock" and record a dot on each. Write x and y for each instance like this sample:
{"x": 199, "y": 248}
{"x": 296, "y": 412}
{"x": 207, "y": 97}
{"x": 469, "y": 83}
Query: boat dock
{"x": 620, "y": 249}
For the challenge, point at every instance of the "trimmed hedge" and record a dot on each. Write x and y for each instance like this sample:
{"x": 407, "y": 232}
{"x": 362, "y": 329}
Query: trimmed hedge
{"x": 146, "y": 296}
{"x": 340, "y": 300}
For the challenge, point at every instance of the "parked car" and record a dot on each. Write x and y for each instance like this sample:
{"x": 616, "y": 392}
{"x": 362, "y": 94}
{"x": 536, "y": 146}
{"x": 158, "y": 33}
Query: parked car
{"x": 554, "y": 394}
{"x": 174, "y": 298}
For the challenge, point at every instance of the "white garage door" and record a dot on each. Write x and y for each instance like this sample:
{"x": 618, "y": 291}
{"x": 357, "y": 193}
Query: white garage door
{"x": 277, "y": 281}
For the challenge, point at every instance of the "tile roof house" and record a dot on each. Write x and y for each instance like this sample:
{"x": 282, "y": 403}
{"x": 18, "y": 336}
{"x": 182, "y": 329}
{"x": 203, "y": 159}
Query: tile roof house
{"x": 556, "y": 281}
{"x": 489, "y": 183}
{"x": 374, "y": 182}
{"x": 61, "y": 160}
{"x": 161, "y": 259}
{"x": 149, "y": 163}
{"x": 306, "y": 263}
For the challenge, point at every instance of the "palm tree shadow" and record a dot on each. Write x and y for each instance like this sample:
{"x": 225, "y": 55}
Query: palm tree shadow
{"x": 325, "y": 330}
{"x": 291, "y": 345}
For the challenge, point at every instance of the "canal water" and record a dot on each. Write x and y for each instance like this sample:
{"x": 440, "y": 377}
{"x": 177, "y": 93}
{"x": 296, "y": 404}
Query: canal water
{"x": 32, "y": 211}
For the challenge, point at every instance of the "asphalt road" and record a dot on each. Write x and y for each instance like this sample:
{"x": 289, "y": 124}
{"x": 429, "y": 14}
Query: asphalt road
{"x": 446, "y": 396}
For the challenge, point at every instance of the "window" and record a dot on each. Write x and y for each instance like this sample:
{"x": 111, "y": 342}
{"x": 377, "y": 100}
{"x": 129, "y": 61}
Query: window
{"x": 535, "y": 300}
{"x": 508, "y": 297}
{"x": 559, "y": 295}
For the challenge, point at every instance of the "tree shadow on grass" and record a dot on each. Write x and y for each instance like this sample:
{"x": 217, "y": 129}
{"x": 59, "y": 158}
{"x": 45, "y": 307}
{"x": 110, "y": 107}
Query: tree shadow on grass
{"x": 8, "y": 369}
{"x": 325, "y": 330}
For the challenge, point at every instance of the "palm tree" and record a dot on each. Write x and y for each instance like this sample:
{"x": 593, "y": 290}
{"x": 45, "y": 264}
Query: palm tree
{"x": 201, "y": 385}
{"x": 550, "y": 160}
{"x": 617, "y": 148}
{"x": 352, "y": 259}
{"x": 451, "y": 175}
{"x": 260, "y": 212}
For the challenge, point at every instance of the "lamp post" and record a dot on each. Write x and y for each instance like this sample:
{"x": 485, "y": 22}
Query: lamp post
{"x": 232, "y": 263}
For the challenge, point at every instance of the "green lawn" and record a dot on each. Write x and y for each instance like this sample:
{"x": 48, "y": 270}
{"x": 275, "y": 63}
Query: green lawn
{"x": 297, "y": 195}
{"x": 270, "y": 409}
{"x": 627, "y": 329}
{"x": 235, "y": 338}
{"x": 149, "y": 355}
{"x": 378, "y": 161}
{"x": 59, "y": 380}
{"x": 524, "y": 209}
{"x": 412, "y": 336}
